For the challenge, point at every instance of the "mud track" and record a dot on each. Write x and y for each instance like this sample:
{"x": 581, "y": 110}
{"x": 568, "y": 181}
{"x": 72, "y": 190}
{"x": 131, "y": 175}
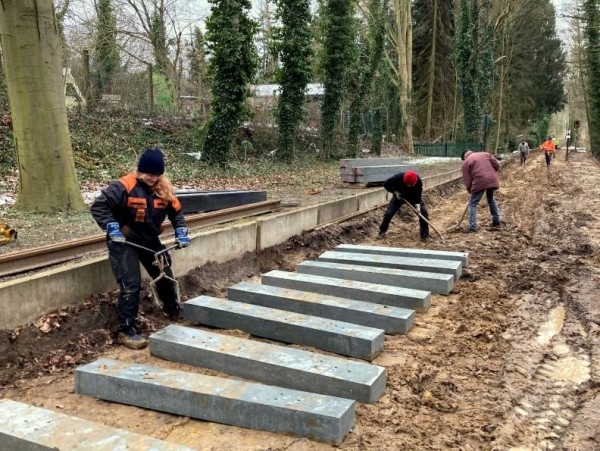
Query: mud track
{"x": 510, "y": 360}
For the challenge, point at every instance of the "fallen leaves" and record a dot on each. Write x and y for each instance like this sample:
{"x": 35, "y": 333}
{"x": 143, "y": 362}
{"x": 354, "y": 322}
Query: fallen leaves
{"x": 312, "y": 192}
{"x": 50, "y": 322}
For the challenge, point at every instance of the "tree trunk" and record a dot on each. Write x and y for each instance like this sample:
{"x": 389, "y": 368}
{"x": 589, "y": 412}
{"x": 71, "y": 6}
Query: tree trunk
{"x": 404, "y": 51}
{"x": 431, "y": 71}
{"x": 87, "y": 79}
{"x": 32, "y": 52}
{"x": 503, "y": 75}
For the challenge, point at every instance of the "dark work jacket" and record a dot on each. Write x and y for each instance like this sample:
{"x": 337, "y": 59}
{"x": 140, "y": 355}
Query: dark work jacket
{"x": 139, "y": 212}
{"x": 411, "y": 193}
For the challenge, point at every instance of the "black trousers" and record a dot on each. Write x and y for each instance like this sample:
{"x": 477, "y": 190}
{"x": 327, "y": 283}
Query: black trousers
{"x": 394, "y": 207}
{"x": 523, "y": 157}
{"x": 125, "y": 264}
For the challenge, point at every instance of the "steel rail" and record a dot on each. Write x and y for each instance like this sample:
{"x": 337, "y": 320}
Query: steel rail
{"x": 39, "y": 257}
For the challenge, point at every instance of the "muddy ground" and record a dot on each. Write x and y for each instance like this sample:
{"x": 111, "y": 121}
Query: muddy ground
{"x": 509, "y": 360}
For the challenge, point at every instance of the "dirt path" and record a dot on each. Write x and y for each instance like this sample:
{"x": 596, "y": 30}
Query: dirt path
{"x": 509, "y": 360}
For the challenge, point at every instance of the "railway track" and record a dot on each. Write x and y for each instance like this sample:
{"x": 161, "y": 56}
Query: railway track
{"x": 44, "y": 256}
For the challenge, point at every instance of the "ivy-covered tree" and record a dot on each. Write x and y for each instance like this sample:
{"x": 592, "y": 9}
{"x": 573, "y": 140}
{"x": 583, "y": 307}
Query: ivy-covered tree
{"x": 197, "y": 57}
{"x": 368, "y": 62}
{"x": 293, "y": 41}
{"x": 106, "y": 60}
{"x": 486, "y": 54}
{"x": 233, "y": 64}
{"x": 158, "y": 38}
{"x": 592, "y": 37}
{"x": 537, "y": 65}
{"x": 338, "y": 55}
{"x": 474, "y": 64}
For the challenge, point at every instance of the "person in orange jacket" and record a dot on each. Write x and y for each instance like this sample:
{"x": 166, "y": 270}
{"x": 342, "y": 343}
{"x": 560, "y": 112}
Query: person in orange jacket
{"x": 549, "y": 150}
{"x": 133, "y": 209}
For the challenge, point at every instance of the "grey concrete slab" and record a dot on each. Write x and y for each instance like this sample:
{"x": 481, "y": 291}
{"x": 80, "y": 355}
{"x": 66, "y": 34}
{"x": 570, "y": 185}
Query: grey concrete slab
{"x": 271, "y": 364}
{"x": 420, "y": 280}
{"x": 362, "y": 162}
{"x": 394, "y": 320}
{"x": 410, "y": 298}
{"x": 322, "y": 333}
{"x": 387, "y": 261}
{"x": 28, "y": 428}
{"x": 193, "y": 201}
{"x": 245, "y": 404}
{"x": 405, "y": 252}
{"x": 375, "y": 174}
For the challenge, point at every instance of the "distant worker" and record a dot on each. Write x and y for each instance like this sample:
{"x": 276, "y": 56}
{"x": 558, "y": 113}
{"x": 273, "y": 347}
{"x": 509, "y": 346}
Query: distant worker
{"x": 405, "y": 187}
{"x": 549, "y": 150}
{"x": 480, "y": 176}
{"x": 133, "y": 209}
{"x": 523, "y": 151}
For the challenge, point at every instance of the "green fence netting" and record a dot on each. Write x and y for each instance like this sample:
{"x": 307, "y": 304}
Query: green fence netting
{"x": 444, "y": 149}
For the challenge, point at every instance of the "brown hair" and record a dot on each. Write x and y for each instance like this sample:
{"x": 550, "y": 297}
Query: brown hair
{"x": 163, "y": 187}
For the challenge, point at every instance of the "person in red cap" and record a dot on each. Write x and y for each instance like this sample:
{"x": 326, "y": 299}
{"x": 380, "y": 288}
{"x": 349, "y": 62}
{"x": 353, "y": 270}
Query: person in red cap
{"x": 405, "y": 187}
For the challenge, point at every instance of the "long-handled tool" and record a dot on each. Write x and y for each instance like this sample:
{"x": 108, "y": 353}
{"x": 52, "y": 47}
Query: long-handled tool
{"x": 161, "y": 262}
{"x": 425, "y": 219}
{"x": 455, "y": 227}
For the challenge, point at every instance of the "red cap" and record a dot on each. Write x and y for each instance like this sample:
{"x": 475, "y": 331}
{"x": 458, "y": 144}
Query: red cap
{"x": 410, "y": 178}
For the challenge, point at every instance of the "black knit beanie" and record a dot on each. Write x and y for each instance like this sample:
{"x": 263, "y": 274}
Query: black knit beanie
{"x": 152, "y": 161}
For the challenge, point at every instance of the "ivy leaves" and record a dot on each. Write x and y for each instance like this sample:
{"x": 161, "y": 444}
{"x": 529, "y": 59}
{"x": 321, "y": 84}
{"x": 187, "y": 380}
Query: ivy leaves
{"x": 233, "y": 64}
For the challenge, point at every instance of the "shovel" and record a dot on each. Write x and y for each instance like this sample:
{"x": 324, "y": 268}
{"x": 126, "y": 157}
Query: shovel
{"x": 424, "y": 219}
{"x": 455, "y": 227}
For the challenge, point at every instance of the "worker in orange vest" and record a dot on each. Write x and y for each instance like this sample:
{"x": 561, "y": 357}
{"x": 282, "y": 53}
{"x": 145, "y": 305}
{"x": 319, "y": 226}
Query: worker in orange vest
{"x": 549, "y": 150}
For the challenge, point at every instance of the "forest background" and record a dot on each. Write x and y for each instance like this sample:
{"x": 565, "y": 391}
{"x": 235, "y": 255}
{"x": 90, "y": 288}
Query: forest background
{"x": 350, "y": 78}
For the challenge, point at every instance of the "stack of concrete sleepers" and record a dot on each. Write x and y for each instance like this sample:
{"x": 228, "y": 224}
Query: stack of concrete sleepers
{"x": 343, "y": 303}
{"x": 372, "y": 171}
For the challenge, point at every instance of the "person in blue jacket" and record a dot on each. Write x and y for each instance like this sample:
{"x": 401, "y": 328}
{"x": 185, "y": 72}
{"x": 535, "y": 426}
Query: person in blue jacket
{"x": 133, "y": 209}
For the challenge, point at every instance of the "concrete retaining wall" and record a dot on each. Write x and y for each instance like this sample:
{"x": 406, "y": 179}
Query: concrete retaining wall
{"x": 330, "y": 211}
{"x": 216, "y": 245}
{"x": 25, "y": 299}
{"x": 440, "y": 179}
{"x": 276, "y": 229}
{"x": 372, "y": 199}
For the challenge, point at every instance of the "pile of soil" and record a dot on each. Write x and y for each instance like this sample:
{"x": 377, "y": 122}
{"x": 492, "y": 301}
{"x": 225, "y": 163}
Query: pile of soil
{"x": 510, "y": 359}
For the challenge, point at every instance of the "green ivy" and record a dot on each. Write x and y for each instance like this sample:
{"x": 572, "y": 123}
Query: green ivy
{"x": 467, "y": 38}
{"x": 293, "y": 44}
{"x": 164, "y": 97}
{"x": 106, "y": 60}
{"x": 233, "y": 64}
{"x": 373, "y": 53}
{"x": 592, "y": 35}
{"x": 197, "y": 57}
{"x": 338, "y": 55}
{"x": 486, "y": 59}
{"x": 541, "y": 128}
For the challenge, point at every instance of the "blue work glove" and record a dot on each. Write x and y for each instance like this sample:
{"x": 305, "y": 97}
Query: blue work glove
{"x": 181, "y": 237}
{"x": 114, "y": 232}
{"x": 418, "y": 207}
